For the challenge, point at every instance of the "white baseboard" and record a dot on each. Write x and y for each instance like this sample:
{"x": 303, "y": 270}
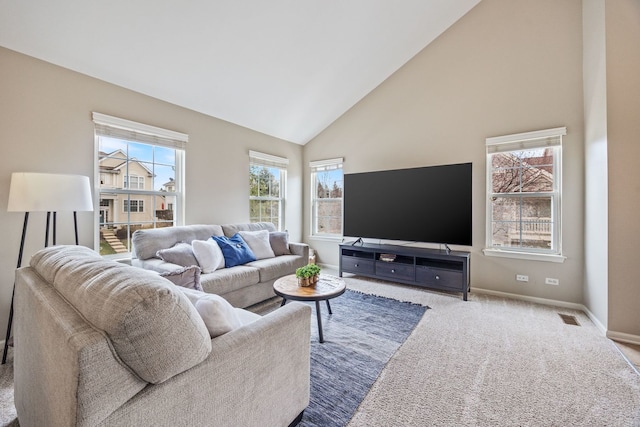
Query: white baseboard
{"x": 623, "y": 337}
{"x": 546, "y": 301}
{"x": 328, "y": 266}
{"x": 595, "y": 320}
{"x": 538, "y": 300}
{"x": 617, "y": 336}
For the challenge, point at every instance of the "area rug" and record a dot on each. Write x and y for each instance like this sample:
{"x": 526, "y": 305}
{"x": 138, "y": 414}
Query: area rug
{"x": 360, "y": 337}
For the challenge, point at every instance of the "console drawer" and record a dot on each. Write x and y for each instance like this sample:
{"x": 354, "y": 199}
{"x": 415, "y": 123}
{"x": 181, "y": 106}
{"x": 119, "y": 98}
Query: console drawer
{"x": 357, "y": 265}
{"x": 394, "y": 270}
{"x": 439, "y": 278}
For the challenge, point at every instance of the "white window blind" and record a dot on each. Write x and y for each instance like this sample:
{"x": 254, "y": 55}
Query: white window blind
{"x": 115, "y": 127}
{"x": 261, "y": 159}
{"x": 326, "y": 165}
{"x": 526, "y": 141}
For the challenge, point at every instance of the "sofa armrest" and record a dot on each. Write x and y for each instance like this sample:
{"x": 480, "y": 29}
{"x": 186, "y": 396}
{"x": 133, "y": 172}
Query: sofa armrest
{"x": 256, "y": 375}
{"x": 301, "y": 249}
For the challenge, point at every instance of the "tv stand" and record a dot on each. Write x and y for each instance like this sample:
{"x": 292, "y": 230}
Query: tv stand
{"x": 429, "y": 268}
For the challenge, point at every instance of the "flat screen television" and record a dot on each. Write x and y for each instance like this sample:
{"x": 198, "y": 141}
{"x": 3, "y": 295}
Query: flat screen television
{"x": 426, "y": 204}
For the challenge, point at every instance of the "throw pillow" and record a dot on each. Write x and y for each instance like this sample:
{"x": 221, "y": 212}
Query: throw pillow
{"x": 187, "y": 277}
{"x": 217, "y": 314}
{"x": 235, "y": 250}
{"x": 208, "y": 254}
{"x": 258, "y": 241}
{"x": 279, "y": 241}
{"x": 180, "y": 254}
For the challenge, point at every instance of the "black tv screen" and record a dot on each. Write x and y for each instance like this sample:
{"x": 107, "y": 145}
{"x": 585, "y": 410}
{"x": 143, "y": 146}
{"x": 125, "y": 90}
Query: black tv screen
{"x": 427, "y": 204}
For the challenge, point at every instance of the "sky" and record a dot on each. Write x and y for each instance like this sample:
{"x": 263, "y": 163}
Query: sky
{"x": 160, "y": 160}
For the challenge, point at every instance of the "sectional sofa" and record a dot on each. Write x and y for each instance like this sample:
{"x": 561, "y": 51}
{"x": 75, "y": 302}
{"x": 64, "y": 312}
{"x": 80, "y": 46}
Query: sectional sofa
{"x": 170, "y": 249}
{"x": 100, "y": 343}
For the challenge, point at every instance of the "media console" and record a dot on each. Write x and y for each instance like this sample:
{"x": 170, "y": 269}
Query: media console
{"x": 430, "y": 268}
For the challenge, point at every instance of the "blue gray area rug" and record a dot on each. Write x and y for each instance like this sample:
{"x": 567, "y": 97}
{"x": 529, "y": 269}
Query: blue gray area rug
{"x": 360, "y": 337}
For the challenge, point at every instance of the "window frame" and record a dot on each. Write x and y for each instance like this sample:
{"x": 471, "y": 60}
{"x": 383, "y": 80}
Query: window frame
{"x": 270, "y": 161}
{"x": 543, "y": 139}
{"x": 135, "y": 133}
{"x": 316, "y": 167}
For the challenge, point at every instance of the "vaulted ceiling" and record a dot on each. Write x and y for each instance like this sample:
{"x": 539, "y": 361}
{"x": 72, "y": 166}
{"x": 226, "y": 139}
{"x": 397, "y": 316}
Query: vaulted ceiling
{"x": 286, "y": 68}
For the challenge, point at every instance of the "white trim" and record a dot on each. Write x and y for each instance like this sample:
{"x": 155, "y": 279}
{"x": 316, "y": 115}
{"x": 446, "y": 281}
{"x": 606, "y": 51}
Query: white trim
{"x": 563, "y": 304}
{"x": 117, "y": 122}
{"x": 623, "y": 337}
{"x": 327, "y": 162}
{"x": 537, "y": 300}
{"x": 531, "y": 256}
{"x": 526, "y": 136}
{"x": 331, "y": 267}
{"x": 595, "y": 320}
{"x": 283, "y": 161}
{"x": 327, "y": 238}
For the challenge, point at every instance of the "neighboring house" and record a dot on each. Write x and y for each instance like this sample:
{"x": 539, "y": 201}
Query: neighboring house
{"x": 118, "y": 174}
{"x": 519, "y": 220}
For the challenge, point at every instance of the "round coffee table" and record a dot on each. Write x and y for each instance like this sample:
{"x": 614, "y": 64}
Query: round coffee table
{"x": 326, "y": 287}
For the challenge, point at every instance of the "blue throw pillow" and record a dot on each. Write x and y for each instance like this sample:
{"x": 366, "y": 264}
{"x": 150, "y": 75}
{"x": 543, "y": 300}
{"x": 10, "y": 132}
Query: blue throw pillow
{"x": 235, "y": 250}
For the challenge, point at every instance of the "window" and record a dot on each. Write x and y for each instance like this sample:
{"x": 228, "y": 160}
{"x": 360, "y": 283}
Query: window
{"x": 267, "y": 178}
{"x": 133, "y": 205}
{"x": 326, "y": 198}
{"x": 134, "y": 182}
{"x": 523, "y": 186}
{"x": 140, "y": 170}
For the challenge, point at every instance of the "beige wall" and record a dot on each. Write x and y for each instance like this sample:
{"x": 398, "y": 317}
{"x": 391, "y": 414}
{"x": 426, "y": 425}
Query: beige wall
{"x": 595, "y": 122}
{"x": 623, "y": 140}
{"x": 46, "y": 126}
{"x": 508, "y": 66}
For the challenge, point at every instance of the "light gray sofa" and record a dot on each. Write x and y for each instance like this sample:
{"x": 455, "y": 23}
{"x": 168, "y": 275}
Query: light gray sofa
{"x": 242, "y": 285}
{"x": 100, "y": 343}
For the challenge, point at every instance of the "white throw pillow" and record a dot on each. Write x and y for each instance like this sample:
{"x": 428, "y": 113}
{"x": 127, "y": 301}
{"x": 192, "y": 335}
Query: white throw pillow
{"x": 258, "y": 242}
{"x": 217, "y": 314}
{"x": 208, "y": 254}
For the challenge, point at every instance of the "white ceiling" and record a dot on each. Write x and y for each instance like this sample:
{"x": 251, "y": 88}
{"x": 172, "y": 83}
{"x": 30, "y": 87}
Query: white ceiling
{"x": 286, "y": 68}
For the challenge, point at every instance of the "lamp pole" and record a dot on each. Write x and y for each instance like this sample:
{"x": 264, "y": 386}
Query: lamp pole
{"x": 13, "y": 293}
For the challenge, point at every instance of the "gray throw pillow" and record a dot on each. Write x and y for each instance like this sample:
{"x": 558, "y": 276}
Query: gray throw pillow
{"x": 258, "y": 242}
{"x": 180, "y": 254}
{"x": 279, "y": 241}
{"x": 187, "y": 277}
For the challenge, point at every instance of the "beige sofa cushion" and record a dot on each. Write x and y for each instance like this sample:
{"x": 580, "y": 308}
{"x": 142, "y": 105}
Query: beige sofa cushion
{"x": 153, "y": 327}
{"x": 147, "y": 242}
{"x": 231, "y": 229}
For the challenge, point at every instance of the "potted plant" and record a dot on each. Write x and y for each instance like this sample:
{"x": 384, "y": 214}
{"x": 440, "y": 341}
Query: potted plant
{"x": 307, "y": 275}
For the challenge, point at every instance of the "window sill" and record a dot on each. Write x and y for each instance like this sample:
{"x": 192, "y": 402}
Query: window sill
{"x": 524, "y": 255}
{"x": 327, "y": 238}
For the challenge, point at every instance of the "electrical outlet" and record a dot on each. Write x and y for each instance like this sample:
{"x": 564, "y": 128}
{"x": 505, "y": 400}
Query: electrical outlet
{"x": 522, "y": 278}
{"x": 551, "y": 281}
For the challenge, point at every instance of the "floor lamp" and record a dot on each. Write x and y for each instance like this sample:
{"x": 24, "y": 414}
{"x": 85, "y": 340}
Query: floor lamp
{"x": 50, "y": 193}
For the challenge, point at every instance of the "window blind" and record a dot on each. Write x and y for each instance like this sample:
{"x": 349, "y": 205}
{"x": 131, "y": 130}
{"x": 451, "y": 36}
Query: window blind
{"x": 527, "y": 140}
{"x": 115, "y": 127}
{"x": 261, "y": 159}
{"x": 326, "y": 165}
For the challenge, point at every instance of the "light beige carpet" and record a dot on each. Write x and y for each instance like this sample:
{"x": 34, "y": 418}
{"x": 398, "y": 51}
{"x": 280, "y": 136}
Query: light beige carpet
{"x": 484, "y": 362}
{"x": 498, "y": 362}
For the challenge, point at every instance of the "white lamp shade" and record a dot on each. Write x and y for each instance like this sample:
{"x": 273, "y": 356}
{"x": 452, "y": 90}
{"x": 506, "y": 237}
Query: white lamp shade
{"x": 46, "y": 192}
